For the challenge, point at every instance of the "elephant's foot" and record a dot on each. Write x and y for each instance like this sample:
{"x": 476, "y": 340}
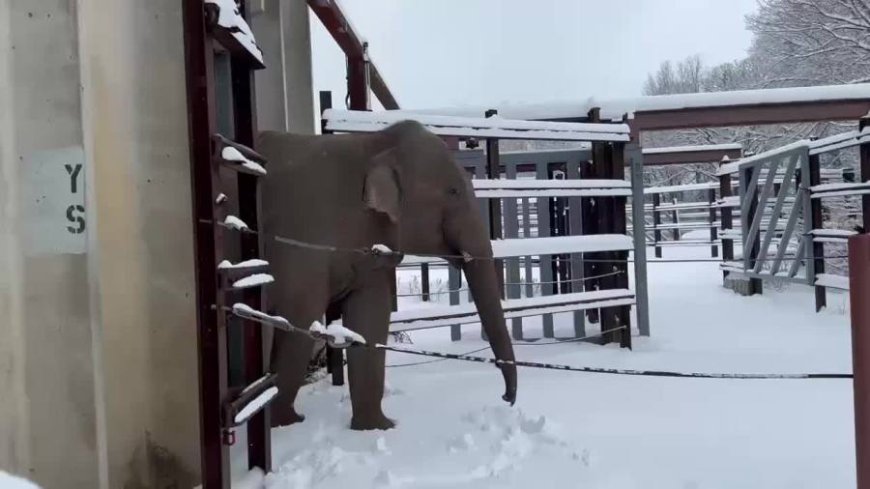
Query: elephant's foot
{"x": 285, "y": 417}
{"x": 379, "y": 422}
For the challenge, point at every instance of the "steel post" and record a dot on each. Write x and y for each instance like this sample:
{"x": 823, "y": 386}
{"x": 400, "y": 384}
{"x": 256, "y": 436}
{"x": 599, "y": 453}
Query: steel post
{"x": 859, "y": 290}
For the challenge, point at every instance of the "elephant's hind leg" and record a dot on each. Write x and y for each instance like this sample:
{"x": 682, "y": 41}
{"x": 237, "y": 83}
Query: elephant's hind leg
{"x": 367, "y": 311}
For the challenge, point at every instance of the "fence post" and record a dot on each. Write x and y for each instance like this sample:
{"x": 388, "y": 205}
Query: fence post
{"x": 725, "y": 215}
{"x": 635, "y": 156}
{"x": 864, "y": 155}
{"x": 675, "y": 217}
{"x": 493, "y": 172}
{"x": 714, "y": 232}
{"x": 859, "y": 288}
{"x": 750, "y": 255}
{"x": 657, "y": 220}
{"x": 818, "y": 247}
{"x": 424, "y": 281}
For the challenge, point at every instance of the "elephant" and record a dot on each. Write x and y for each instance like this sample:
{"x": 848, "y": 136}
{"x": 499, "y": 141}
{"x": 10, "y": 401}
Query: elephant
{"x": 398, "y": 187}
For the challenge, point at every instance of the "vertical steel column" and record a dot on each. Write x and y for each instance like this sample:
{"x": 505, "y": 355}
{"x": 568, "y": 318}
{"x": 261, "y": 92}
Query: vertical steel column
{"x": 493, "y": 172}
{"x": 725, "y": 215}
{"x": 675, "y": 218}
{"x": 817, "y": 222}
{"x": 591, "y": 209}
{"x": 859, "y": 290}
{"x": 210, "y": 325}
{"x": 245, "y": 122}
{"x": 334, "y": 356}
{"x": 619, "y": 225}
{"x": 864, "y": 155}
{"x": 714, "y": 232}
{"x": 657, "y": 220}
{"x": 638, "y": 214}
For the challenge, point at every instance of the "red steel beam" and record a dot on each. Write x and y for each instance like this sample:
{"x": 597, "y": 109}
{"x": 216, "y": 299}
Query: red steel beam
{"x": 338, "y": 25}
{"x": 682, "y": 157}
{"x": 750, "y": 115}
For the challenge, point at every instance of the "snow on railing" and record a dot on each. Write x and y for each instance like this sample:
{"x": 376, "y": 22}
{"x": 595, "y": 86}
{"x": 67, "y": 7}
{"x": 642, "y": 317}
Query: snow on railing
{"x": 247, "y": 264}
{"x": 233, "y": 222}
{"x": 735, "y": 166}
{"x": 492, "y": 127}
{"x": 254, "y": 280}
{"x": 255, "y": 405}
{"x": 693, "y": 149}
{"x": 839, "y": 189}
{"x": 507, "y": 188}
{"x": 840, "y": 141}
{"x": 231, "y": 19}
{"x": 681, "y": 188}
{"x": 230, "y": 153}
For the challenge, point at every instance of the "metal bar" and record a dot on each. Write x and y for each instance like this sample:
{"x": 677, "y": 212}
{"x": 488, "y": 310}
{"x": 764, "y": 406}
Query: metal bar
{"x": 545, "y": 263}
{"x": 424, "y": 281}
{"x": 641, "y": 291}
{"x": 619, "y": 225}
{"x": 751, "y": 182}
{"x": 512, "y": 265}
{"x": 859, "y": 290}
{"x": 711, "y": 197}
{"x": 750, "y": 238}
{"x": 795, "y": 264}
{"x": 211, "y": 338}
{"x": 750, "y": 199}
{"x": 590, "y": 210}
{"x": 817, "y": 222}
{"x": 726, "y": 218}
{"x": 245, "y": 125}
{"x": 454, "y": 282}
{"x": 864, "y": 163}
{"x": 575, "y": 226}
{"x": 657, "y": 221}
{"x": 777, "y": 208}
{"x": 783, "y": 244}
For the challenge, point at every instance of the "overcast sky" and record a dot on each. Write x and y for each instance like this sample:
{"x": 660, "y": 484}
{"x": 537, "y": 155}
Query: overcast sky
{"x": 444, "y": 53}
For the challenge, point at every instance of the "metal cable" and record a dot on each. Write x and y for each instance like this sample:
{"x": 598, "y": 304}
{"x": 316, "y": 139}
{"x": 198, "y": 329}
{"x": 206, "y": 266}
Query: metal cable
{"x": 374, "y": 252}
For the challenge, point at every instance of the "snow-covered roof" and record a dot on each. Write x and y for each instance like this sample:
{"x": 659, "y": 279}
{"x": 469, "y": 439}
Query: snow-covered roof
{"x": 230, "y": 18}
{"x": 693, "y": 149}
{"x": 614, "y": 109}
{"x": 492, "y": 127}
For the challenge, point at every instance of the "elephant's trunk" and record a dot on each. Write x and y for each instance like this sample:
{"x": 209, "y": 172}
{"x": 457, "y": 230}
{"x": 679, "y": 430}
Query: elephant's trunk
{"x": 482, "y": 282}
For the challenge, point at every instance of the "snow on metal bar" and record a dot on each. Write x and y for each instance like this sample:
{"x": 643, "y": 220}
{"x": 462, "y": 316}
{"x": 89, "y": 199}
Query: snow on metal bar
{"x": 839, "y": 189}
{"x": 512, "y": 248}
{"x": 255, "y": 405}
{"x": 435, "y": 317}
{"x": 231, "y": 19}
{"x": 509, "y": 248}
{"x": 683, "y": 205}
{"x": 232, "y": 155}
{"x": 234, "y": 222}
{"x": 833, "y": 281}
{"x": 254, "y": 280}
{"x": 732, "y": 201}
{"x": 247, "y": 312}
{"x": 693, "y": 149}
{"x": 833, "y": 233}
{"x": 247, "y": 264}
{"x": 616, "y": 108}
{"x": 550, "y": 188}
{"x": 681, "y": 188}
{"x": 839, "y": 141}
{"x": 734, "y": 167}
{"x": 492, "y": 127}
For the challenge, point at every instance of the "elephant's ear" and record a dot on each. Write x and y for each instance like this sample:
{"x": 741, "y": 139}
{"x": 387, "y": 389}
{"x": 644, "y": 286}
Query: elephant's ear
{"x": 381, "y": 192}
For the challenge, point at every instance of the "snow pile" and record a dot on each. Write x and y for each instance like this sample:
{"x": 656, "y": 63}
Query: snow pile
{"x": 230, "y": 153}
{"x": 234, "y": 222}
{"x": 337, "y": 332}
{"x": 9, "y": 481}
{"x": 253, "y": 280}
{"x": 230, "y": 18}
{"x": 256, "y": 404}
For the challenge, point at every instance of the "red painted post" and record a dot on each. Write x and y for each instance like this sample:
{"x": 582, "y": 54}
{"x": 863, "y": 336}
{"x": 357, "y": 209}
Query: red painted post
{"x": 859, "y": 288}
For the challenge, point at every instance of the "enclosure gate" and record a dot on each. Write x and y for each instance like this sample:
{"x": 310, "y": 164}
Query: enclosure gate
{"x": 774, "y": 205}
{"x": 224, "y": 173}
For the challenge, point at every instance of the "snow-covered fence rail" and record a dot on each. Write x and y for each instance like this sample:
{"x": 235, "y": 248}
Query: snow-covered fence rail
{"x": 534, "y": 201}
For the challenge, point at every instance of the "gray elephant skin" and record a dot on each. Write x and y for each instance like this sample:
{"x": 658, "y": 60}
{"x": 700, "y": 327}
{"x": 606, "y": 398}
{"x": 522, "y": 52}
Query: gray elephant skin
{"x": 398, "y": 187}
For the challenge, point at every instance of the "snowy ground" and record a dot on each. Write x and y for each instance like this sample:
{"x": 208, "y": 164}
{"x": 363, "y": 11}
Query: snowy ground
{"x": 612, "y": 432}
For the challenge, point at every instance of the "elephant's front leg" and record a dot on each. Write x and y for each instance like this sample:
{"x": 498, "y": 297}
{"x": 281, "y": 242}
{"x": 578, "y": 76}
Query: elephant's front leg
{"x": 367, "y": 311}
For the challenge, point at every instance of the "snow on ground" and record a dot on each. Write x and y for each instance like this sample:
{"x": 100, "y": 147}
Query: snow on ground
{"x": 602, "y": 431}
{"x": 9, "y": 481}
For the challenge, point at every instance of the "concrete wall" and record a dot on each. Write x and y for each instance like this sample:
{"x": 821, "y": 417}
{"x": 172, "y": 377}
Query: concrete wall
{"x": 97, "y": 338}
